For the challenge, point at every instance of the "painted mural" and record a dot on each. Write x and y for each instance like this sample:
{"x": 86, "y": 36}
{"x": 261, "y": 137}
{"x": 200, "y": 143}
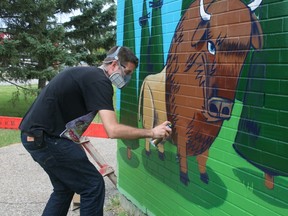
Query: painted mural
{"x": 204, "y": 63}
{"x": 205, "y": 68}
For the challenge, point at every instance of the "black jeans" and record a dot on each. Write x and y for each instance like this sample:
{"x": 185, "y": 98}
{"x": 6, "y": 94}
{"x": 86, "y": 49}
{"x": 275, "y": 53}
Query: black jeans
{"x": 70, "y": 171}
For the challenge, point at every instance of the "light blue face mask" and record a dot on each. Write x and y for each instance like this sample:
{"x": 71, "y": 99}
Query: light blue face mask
{"x": 119, "y": 78}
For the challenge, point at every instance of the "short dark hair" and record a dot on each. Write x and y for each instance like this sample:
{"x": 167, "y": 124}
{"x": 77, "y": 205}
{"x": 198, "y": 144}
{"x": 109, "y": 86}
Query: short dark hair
{"x": 124, "y": 55}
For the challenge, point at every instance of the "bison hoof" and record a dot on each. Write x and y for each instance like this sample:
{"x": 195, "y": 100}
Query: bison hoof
{"x": 148, "y": 153}
{"x": 184, "y": 178}
{"x": 161, "y": 156}
{"x": 204, "y": 177}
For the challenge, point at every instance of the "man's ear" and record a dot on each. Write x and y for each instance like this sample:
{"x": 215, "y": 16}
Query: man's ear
{"x": 114, "y": 64}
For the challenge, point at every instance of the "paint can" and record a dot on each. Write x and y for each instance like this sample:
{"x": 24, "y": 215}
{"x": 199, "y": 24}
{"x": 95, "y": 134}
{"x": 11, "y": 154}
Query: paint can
{"x": 156, "y": 141}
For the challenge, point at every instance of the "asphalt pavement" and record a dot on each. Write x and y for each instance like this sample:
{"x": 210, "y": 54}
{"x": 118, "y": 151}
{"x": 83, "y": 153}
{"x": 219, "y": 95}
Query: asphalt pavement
{"x": 25, "y": 187}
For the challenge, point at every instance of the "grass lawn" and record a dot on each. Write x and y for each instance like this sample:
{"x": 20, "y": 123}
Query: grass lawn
{"x": 13, "y": 101}
{"x": 8, "y": 137}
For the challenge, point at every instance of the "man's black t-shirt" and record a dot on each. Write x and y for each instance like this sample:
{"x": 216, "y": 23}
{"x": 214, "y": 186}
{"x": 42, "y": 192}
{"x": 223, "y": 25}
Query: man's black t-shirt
{"x": 72, "y": 94}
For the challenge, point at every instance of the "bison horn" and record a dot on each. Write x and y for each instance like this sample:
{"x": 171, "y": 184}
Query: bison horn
{"x": 205, "y": 16}
{"x": 254, "y": 5}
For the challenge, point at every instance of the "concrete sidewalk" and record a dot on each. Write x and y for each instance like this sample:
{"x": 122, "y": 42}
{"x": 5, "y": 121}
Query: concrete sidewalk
{"x": 25, "y": 187}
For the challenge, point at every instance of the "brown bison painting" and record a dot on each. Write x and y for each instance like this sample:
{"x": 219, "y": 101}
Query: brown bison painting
{"x": 206, "y": 56}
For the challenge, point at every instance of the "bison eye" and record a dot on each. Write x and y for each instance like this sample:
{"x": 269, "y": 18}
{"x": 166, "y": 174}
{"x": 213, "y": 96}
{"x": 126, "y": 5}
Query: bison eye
{"x": 211, "y": 47}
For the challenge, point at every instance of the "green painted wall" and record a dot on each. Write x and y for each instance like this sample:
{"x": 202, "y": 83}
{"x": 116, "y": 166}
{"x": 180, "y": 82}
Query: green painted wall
{"x": 249, "y": 146}
{"x": 129, "y": 96}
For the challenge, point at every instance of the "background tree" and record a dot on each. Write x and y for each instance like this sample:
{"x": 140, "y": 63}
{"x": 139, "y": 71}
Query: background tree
{"x": 38, "y": 45}
{"x": 93, "y": 32}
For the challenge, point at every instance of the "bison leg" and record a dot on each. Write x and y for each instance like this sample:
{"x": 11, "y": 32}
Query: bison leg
{"x": 269, "y": 181}
{"x": 161, "y": 154}
{"x": 182, "y": 155}
{"x": 147, "y": 147}
{"x": 129, "y": 153}
{"x": 202, "y": 160}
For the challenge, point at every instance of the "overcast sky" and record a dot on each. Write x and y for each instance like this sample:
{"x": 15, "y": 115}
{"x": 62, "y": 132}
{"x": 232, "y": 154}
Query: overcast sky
{"x": 61, "y": 18}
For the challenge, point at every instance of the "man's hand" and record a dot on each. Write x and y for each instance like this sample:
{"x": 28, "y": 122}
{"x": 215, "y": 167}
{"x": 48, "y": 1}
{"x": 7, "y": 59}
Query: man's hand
{"x": 162, "y": 130}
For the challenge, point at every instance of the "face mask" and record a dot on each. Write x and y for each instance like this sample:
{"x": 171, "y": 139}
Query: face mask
{"x": 118, "y": 80}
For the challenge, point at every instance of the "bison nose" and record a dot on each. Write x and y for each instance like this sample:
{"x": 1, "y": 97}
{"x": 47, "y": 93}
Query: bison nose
{"x": 219, "y": 108}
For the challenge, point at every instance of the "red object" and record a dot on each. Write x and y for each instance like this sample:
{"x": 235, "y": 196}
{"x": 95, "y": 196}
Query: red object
{"x": 94, "y": 130}
{"x": 4, "y": 35}
{"x": 9, "y": 122}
